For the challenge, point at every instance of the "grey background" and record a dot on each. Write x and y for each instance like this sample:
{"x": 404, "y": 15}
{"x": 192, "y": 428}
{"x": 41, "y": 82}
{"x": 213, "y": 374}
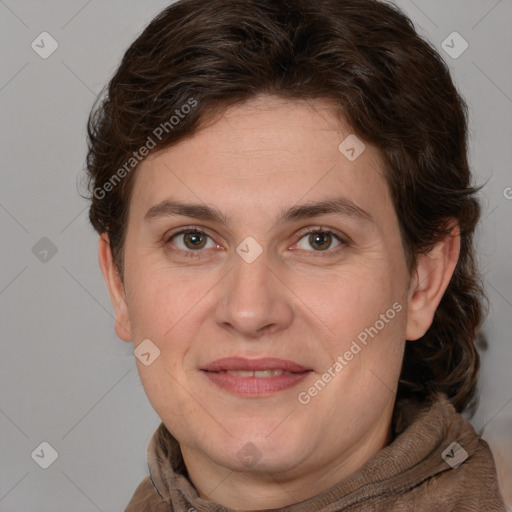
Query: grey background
{"x": 65, "y": 377}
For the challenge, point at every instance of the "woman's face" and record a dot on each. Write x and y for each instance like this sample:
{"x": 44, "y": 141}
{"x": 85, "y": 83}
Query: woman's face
{"x": 253, "y": 284}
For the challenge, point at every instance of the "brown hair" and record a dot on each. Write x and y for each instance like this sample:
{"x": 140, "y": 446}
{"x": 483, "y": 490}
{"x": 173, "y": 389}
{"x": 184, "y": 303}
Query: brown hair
{"x": 365, "y": 57}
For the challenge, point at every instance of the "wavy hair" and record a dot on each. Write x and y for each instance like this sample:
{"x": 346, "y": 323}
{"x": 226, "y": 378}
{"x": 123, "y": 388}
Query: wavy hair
{"x": 364, "y": 57}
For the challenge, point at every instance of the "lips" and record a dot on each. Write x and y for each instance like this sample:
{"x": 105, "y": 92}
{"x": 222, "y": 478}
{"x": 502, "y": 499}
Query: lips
{"x": 240, "y": 364}
{"x": 255, "y": 377}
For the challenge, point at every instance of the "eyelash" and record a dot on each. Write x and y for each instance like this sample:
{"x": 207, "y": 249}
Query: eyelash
{"x": 196, "y": 253}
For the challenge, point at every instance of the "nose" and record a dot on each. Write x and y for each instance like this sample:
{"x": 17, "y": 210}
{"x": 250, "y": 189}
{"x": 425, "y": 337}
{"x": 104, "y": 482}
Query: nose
{"x": 254, "y": 301}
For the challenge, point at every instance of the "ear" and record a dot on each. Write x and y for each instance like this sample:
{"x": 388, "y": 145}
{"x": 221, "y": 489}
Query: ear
{"x": 115, "y": 288}
{"x": 433, "y": 274}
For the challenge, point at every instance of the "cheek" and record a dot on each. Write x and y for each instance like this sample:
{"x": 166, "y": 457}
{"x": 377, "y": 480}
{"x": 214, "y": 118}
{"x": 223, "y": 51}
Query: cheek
{"x": 164, "y": 309}
{"x": 364, "y": 313}
{"x": 161, "y": 299}
{"x": 347, "y": 303}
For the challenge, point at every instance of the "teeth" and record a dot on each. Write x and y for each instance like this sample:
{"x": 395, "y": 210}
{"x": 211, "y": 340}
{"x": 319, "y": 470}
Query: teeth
{"x": 258, "y": 373}
{"x": 241, "y": 373}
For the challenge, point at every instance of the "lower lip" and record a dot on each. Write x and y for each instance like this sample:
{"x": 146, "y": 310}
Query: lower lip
{"x": 255, "y": 386}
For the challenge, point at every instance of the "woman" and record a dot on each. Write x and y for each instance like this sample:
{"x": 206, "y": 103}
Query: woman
{"x": 286, "y": 221}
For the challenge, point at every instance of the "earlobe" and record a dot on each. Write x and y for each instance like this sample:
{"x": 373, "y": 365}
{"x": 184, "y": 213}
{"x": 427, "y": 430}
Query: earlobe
{"x": 433, "y": 274}
{"x": 115, "y": 288}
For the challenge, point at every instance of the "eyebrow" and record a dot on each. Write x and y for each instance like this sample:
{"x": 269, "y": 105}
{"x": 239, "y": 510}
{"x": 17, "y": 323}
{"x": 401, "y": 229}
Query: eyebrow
{"x": 338, "y": 205}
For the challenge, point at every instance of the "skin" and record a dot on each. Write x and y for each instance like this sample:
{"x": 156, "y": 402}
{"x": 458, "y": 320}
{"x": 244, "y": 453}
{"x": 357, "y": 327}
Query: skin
{"x": 295, "y": 301}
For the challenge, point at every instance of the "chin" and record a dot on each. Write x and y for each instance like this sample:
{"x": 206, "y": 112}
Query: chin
{"x": 261, "y": 452}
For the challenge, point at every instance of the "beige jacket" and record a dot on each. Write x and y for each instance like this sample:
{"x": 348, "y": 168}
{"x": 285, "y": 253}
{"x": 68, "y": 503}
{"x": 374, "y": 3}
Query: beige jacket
{"x": 410, "y": 474}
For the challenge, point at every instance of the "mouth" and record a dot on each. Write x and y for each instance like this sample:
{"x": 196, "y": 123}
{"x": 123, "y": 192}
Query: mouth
{"x": 262, "y": 374}
{"x": 264, "y": 364}
{"x": 255, "y": 377}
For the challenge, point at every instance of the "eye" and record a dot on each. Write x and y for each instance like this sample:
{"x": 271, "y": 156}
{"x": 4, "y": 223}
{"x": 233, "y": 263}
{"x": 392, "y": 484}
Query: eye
{"x": 320, "y": 239}
{"x": 190, "y": 240}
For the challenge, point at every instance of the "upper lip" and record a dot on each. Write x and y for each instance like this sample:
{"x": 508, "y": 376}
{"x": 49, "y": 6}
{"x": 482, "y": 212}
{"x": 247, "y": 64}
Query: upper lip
{"x": 265, "y": 363}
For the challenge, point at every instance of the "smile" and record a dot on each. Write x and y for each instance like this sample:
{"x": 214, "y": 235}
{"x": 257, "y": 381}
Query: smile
{"x": 256, "y": 383}
{"x": 263, "y": 374}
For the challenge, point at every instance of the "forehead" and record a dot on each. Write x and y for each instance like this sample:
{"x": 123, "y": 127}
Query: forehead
{"x": 262, "y": 154}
